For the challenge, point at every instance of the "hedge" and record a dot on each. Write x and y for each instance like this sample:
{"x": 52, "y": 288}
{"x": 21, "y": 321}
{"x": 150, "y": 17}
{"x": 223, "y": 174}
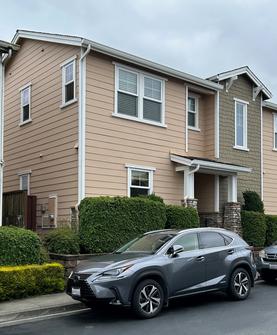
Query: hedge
{"x": 181, "y": 217}
{"x": 62, "y": 241}
{"x": 253, "y": 228}
{"x": 271, "y": 230}
{"x": 106, "y": 223}
{"x": 19, "y": 246}
{"x": 252, "y": 202}
{"x": 27, "y": 280}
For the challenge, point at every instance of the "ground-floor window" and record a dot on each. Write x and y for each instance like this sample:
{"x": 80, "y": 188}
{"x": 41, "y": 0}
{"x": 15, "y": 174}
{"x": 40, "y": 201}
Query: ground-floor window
{"x": 140, "y": 181}
{"x": 24, "y": 182}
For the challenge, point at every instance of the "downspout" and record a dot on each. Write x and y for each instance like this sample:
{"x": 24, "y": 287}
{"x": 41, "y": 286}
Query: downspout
{"x": 262, "y": 151}
{"x": 2, "y": 77}
{"x": 186, "y": 125}
{"x": 217, "y": 125}
{"x": 82, "y": 124}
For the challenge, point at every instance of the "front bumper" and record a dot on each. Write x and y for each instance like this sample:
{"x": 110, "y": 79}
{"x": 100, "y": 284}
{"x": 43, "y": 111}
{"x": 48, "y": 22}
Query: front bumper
{"x": 88, "y": 291}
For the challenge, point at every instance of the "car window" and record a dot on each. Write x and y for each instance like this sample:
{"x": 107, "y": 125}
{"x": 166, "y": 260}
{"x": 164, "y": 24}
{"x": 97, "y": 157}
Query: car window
{"x": 228, "y": 239}
{"x": 188, "y": 242}
{"x": 211, "y": 240}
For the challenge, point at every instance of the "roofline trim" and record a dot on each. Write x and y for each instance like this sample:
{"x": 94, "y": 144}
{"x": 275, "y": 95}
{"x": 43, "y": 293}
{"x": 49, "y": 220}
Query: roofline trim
{"x": 270, "y": 105}
{"x": 239, "y": 71}
{"x": 78, "y": 41}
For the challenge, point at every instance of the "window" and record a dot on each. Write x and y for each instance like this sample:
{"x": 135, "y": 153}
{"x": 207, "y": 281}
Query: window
{"x": 139, "y": 96}
{"x": 275, "y": 132}
{"x": 68, "y": 82}
{"x": 140, "y": 181}
{"x": 211, "y": 240}
{"x": 24, "y": 182}
{"x": 188, "y": 242}
{"x": 240, "y": 125}
{"x": 193, "y": 112}
{"x": 25, "y": 104}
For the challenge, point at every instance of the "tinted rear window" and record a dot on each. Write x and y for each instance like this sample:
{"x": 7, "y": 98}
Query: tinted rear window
{"x": 211, "y": 240}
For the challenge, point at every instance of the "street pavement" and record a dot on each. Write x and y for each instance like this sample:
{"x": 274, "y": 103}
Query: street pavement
{"x": 207, "y": 314}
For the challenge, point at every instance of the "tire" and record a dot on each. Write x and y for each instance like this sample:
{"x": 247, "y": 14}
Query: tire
{"x": 240, "y": 284}
{"x": 148, "y": 299}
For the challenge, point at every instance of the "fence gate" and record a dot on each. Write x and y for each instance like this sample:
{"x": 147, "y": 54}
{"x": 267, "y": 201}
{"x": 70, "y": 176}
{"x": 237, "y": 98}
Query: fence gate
{"x": 19, "y": 209}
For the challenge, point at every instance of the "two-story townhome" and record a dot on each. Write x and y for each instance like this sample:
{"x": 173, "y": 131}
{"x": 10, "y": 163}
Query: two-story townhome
{"x": 83, "y": 119}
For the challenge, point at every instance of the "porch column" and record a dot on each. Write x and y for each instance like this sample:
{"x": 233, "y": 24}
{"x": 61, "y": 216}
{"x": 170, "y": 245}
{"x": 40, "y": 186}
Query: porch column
{"x": 189, "y": 200}
{"x": 232, "y": 189}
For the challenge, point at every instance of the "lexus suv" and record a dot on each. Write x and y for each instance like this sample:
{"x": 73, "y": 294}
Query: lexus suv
{"x": 160, "y": 265}
{"x": 267, "y": 263}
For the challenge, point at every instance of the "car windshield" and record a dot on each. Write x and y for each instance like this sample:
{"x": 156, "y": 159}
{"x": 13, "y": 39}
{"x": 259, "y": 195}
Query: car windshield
{"x": 149, "y": 243}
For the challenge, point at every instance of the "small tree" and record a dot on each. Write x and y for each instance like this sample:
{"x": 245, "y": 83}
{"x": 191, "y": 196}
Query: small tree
{"x": 253, "y": 202}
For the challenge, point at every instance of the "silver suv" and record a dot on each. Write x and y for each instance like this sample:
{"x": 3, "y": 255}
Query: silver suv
{"x": 160, "y": 265}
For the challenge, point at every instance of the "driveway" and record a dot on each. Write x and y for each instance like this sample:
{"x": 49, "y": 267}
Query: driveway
{"x": 202, "y": 315}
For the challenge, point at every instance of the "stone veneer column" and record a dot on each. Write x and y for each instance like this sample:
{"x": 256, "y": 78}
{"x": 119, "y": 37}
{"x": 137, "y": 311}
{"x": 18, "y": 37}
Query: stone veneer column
{"x": 190, "y": 203}
{"x": 232, "y": 217}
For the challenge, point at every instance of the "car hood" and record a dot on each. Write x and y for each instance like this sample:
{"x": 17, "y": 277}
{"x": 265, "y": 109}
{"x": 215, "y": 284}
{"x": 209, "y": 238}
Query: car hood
{"x": 110, "y": 261}
{"x": 271, "y": 250}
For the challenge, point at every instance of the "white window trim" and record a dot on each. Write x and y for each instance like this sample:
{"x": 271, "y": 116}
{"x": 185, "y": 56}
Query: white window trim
{"x": 196, "y": 112}
{"x": 140, "y": 94}
{"x": 24, "y": 173}
{"x": 55, "y": 196}
{"x": 63, "y": 66}
{"x": 274, "y": 130}
{"x": 245, "y": 135}
{"x": 131, "y": 168}
{"x": 21, "y": 122}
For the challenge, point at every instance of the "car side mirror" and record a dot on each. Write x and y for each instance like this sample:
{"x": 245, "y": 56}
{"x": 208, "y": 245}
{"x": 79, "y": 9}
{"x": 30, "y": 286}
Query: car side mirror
{"x": 175, "y": 249}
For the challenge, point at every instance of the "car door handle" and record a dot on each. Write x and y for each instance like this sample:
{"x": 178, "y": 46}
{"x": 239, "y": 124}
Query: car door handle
{"x": 200, "y": 258}
{"x": 230, "y": 252}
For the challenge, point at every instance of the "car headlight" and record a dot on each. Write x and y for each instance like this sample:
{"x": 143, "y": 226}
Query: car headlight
{"x": 113, "y": 273}
{"x": 262, "y": 254}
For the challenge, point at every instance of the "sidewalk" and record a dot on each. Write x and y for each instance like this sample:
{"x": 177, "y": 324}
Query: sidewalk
{"x": 44, "y": 305}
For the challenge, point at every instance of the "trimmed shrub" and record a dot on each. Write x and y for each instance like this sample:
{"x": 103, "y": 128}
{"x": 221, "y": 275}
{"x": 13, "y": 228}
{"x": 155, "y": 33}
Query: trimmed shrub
{"x": 106, "y": 223}
{"x": 19, "y": 246}
{"x": 271, "y": 231}
{"x": 62, "y": 241}
{"x": 252, "y": 202}
{"x": 253, "y": 228}
{"x": 27, "y": 280}
{"x": 181, "y": 217}
{"x": 153, "y": 197}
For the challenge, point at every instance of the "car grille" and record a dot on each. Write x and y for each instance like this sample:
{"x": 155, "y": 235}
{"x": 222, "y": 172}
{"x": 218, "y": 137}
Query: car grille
{"x": 85, "y": 289}
{"x": 271, "y": 258}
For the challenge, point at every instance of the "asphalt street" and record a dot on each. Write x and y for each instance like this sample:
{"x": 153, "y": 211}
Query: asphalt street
{"x": 207, "y": 314}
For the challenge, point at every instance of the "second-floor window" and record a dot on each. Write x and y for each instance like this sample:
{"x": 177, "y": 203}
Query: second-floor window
{"x": 25, "y": 104}
{"x": 241, "y": 125}
{"x": 193, "y": 112}
{"x": 68, "y": 82}
{"x": 139, "y": 96}
{"x": 275, "y": 131}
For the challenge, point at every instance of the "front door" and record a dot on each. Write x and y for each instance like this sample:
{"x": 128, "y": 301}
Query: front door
{"x": 187, "y": 267}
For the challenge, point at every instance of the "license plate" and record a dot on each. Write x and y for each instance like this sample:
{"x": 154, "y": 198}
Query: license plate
{"x": 75, "y": 291}
{"x": 273, "y": 266}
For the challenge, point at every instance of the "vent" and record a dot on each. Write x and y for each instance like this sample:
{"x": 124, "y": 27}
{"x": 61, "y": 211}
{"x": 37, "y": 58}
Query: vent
{"x": 48, "y": 221}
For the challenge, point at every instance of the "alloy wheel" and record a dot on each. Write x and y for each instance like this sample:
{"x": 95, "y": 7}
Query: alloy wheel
{"x": 149, "y": 299}
{"x": 241, "y": 284}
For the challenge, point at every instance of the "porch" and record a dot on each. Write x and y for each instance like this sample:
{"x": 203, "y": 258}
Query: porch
{"x": 211, "y": 187}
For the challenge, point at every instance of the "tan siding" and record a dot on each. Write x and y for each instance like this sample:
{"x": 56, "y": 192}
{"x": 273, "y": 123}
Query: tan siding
{"x": 46, "y": 145}
{"x": 113, "y": 142}
{"x": 270, "y": 163}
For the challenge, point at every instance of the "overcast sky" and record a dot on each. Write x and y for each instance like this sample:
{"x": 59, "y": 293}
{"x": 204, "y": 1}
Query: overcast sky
{"x": 196, "y": 36}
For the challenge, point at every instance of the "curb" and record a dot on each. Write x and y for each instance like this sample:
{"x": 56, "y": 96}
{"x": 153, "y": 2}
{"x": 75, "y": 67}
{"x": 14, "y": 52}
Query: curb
{"x": 15, "y": 317}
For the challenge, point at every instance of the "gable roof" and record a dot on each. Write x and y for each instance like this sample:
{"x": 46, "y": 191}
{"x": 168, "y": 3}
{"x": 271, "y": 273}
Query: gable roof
{"x": 239, "y": 71}
{"x": 124, "y": 56}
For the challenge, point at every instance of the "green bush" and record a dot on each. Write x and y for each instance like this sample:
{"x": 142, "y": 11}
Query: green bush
{"x": 271, "y": 231}
{"x": 252, "y": 202}
{"x": 181, "y": 217}
{"x": 19, "y": 246}
{"x": 106, "y": 223}
{"x": 27, "y": 280}
{"x": 62, "y": 241}
{"x": 253, "y": 228}
{"x": 153, "y": 197}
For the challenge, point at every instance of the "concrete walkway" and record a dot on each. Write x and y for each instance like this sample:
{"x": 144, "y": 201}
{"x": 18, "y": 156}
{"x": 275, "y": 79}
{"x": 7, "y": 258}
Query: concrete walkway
{"x": 43, "y": 305}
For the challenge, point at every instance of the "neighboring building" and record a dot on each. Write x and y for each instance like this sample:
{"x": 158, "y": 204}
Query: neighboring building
{"x": 83, "y": 119}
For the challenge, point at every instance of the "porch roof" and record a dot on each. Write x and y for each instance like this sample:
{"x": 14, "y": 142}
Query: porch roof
{"x": 207, "y": 164}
